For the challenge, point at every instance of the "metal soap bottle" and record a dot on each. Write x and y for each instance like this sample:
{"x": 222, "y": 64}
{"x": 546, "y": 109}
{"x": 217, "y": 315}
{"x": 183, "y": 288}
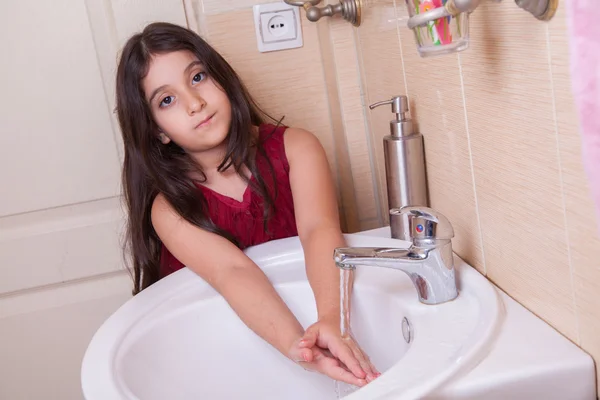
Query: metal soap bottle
{"x": 404, "y": 167}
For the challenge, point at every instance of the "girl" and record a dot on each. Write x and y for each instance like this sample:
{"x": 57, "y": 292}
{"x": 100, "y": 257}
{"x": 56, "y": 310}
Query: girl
{"x": 204, "y": 177}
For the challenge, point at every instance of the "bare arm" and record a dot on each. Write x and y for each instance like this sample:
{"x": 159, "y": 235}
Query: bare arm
{"x": 317, "y": 217}
{"x": 227, "y": 269}
{"x": 318, "y": 224}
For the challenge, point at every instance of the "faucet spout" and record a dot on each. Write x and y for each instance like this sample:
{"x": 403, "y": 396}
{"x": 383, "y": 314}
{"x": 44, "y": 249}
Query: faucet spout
{"x": 431, "y": 268}
{"x": 350, "y": 257}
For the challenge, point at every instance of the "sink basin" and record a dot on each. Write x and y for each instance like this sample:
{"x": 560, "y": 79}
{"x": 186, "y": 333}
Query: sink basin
{"x": 179, "y": 339}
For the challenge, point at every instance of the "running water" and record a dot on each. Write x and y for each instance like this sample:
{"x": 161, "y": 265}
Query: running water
{"x": 343, "y": 389}
{"x": 346, "y": 276}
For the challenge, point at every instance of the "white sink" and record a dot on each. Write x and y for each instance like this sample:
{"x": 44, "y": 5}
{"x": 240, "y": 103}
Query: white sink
{"x": 179, "y": 339}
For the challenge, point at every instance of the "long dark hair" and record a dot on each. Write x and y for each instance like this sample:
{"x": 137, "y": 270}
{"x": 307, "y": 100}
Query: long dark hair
{"x": 150, "y": 167}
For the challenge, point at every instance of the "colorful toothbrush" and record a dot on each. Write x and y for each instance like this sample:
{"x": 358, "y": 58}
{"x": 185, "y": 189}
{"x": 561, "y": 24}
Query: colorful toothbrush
{"x": 424, "y": 6}
{"x": 442, "y": 25}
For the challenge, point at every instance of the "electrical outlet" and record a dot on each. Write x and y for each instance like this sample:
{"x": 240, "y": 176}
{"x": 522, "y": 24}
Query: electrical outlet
{"x": 277, "y": 27}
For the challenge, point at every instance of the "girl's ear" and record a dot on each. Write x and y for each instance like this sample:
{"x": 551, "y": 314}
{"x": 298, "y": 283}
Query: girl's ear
{"x": 164, "y": 139}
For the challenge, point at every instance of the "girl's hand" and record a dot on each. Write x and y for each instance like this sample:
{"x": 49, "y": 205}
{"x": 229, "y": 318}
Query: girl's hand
{"x": 322, "y": 361}
{"x": 323, "y": 349}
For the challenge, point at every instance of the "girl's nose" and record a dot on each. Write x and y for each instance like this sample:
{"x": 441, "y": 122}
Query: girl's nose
{"x": 195, "y": 103}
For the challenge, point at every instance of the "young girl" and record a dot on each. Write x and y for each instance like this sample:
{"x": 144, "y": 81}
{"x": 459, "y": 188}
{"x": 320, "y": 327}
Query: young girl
{"x": 204, "y": 177}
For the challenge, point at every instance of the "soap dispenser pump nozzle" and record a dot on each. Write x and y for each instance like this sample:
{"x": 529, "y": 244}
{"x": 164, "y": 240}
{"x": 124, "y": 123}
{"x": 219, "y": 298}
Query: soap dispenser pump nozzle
{"x": 399, "y": 106}
{"x": 401, "y": 126}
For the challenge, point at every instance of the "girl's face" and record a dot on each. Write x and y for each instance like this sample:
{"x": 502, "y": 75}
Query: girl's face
{"x": 187, "y": 105}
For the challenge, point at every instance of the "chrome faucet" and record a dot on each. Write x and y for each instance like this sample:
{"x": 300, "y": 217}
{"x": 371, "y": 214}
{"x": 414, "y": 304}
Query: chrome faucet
{"x": 428, "y": 261}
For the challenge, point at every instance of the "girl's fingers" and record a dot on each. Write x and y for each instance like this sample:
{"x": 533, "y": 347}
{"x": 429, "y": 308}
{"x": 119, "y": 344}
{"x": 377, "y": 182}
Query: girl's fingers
{"x": 300, "y": 354}
{"x": 363, "y": 359}
{"x": 325, "y": 363}
{"x": 377, "y": 373}
{"x": 340, "y": 374}
{"x": 334, "y": 370}
{"x": 343, "y": 353}
{"x": 309, "y": 339}
{"x": 364, "y": 362}
{"x": 343, "y": 360}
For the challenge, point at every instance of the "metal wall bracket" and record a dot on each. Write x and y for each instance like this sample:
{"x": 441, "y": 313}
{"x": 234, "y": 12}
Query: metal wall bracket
{"x": 543, "y": 10}
{"x": 350, "y": 10}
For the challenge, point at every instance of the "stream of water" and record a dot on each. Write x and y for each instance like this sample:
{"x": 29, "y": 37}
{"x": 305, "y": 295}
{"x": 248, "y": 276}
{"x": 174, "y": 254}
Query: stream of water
{"x": 346, "y": 276}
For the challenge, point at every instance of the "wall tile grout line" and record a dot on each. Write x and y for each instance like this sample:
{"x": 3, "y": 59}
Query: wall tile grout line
{"x": 377, "y": 183}
{"x": 367, "y": 125}
{"x": 401, "y": 52}
{"x": 344, "y": 145}
{"x": 334, "y": 59}
{"x": 464, "y": 98}
{"x": 562, "y": 185}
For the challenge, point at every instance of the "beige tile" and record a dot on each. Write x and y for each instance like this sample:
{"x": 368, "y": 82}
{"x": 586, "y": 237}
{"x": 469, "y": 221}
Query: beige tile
{"x": 435, "y": 93}
{"x": 383, "y": 78}
{"x": 350, "y": 95}
{"x": 583, "y": 233}
{"x": 222, "y": 6}
{"x": 513, "y": 140}
{"x": 344, "y": 170}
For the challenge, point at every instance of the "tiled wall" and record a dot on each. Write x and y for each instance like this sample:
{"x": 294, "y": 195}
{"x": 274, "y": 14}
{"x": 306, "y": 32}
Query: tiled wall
{"x": 501, "y": 137}
{"x": 503, "y": 153}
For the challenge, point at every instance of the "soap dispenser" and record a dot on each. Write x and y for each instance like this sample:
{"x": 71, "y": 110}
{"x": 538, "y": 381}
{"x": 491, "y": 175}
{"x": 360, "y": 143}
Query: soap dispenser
{"x": 404, "y": 167}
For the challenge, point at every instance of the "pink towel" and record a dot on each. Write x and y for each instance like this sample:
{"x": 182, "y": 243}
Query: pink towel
{"x": 584, "y": 28}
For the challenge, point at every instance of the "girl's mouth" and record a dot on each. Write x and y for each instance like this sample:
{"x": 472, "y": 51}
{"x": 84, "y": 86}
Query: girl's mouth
{"x": 205, "y": 122}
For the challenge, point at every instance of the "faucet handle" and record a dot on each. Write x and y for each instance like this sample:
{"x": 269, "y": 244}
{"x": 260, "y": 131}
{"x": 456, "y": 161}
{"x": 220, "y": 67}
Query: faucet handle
{"x": 426, "y": 223}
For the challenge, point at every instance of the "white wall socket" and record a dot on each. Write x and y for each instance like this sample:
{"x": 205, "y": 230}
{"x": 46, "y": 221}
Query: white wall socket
{"x": 277, "y": 26}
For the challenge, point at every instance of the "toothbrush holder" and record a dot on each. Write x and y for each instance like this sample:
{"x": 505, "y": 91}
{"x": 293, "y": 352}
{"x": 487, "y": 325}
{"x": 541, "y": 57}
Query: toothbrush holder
{"x": 436, "y": 30}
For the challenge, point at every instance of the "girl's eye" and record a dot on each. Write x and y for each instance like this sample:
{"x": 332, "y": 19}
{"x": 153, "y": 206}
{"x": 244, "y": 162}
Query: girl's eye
{"x": 200, "y": 76}
{"x": 166, "y": 101}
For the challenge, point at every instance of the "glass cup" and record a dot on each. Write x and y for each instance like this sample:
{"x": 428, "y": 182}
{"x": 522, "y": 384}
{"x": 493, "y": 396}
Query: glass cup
{"x": 441, "y": 36}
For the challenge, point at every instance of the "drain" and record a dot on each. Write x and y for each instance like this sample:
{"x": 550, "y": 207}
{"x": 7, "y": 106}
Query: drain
{"x": 406, "y": 330}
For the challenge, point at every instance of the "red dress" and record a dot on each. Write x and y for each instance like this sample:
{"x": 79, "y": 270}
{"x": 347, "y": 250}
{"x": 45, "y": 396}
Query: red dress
{"x": 244, "y": 220}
